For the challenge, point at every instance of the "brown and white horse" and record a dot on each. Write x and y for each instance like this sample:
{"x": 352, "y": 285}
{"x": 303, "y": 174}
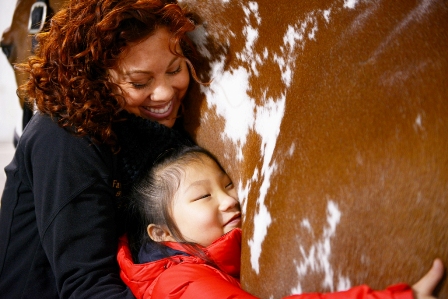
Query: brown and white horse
{"x": 332, "y": 117}
{"x": 16, "y": 40}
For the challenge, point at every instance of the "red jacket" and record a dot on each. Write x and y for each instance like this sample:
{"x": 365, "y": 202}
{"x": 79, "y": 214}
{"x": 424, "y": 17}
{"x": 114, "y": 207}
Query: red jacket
{"x": 189, "y": 277}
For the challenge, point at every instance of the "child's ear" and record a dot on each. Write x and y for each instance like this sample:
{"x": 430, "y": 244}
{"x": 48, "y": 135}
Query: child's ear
{"x": 159, "y": 233}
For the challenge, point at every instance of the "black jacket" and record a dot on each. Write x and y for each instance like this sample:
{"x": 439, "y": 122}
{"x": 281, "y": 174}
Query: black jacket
{"x": 59, "y": 225}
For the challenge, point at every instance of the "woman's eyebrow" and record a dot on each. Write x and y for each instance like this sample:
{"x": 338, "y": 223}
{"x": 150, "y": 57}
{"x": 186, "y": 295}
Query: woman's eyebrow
{"x": 175, "y": 58}
{"x": 138, "y": 71}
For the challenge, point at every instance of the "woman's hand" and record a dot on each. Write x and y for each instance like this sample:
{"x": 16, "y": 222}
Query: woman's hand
{"x": 424, "y": 288}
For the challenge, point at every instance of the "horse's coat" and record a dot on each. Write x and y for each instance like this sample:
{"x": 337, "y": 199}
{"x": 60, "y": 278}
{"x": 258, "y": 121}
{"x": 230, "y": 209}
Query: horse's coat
{"x": 332, "y": 117}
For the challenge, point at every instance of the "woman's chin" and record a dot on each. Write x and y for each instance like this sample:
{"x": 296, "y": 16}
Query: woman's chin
{"x": 167, "y": 122}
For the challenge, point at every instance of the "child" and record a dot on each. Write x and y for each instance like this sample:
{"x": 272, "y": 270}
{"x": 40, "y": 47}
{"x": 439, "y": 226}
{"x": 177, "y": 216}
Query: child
{"x": 193, "y": 239}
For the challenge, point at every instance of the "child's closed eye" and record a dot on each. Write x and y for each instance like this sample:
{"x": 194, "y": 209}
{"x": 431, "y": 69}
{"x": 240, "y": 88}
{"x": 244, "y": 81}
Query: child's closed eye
{"x": 201, "y": 197}
{"x": 229, "y": 185}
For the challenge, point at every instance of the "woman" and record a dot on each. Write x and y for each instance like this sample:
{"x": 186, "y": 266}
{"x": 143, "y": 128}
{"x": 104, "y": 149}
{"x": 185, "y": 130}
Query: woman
{"x": 107, "y": 80}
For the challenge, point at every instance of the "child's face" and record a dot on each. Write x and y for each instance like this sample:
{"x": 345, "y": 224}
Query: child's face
{"x": 206, "y": 204}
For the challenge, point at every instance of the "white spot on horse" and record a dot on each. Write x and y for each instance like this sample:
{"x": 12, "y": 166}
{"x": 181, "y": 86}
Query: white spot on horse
{"x": 359, "y": 159}
{"x": 292, "y": 149}
{"x": 267, "y": 125}
{"x": 418, "y": 123}
{"x": 262, "y": 220}
{"x": 333, "y": 218}
{"x": 419, "y": 197}
{"x": 251, "y": 34}
{"x": 317, "y": 257}
{"x": 286, "y": 70}
{"x": 327, "y": 15}
{"x": 313, "y": 31}
{"x": 253, "y": 9}
{"x": 255, "y": 174}
{"x": 343, "y": 283}
{"x": 199, "y": 35}
{"x": 228, "y": 95}
{"x": 350, "y": 3}
{"x": 292, "y": 41}
{"x": 306, "y": 224}
{"x": 265, "y": 53}
{"x": 243, "y": 194}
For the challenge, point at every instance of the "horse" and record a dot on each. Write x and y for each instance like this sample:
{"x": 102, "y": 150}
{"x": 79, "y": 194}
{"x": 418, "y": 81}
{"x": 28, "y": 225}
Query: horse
{"x": 17, "y": 42}
{"x": 331, "y": 118}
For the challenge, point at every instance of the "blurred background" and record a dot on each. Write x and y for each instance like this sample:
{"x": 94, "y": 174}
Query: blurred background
{"x": 10, "y": 111}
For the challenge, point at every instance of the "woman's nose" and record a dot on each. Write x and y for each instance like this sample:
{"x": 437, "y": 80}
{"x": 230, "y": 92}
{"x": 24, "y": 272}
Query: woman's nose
{"x": 163, "y": 91}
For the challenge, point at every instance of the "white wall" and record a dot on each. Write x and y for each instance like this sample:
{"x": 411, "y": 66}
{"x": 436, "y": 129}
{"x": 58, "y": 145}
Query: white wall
{"x": 10, "y": 111}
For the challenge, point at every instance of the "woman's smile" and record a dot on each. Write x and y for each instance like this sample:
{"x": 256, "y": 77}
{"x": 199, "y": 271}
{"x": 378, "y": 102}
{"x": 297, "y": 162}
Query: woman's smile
{"x": 158, "y": 112}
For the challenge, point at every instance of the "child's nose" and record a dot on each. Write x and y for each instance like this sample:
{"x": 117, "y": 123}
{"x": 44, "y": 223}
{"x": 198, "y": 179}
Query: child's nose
{"x": 227, "y": 202}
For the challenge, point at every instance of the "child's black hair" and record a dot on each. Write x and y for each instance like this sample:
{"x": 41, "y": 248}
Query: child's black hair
{"x": 151, "y": 197}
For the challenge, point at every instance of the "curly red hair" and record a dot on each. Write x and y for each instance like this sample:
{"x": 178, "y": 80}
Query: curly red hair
{"x": 68, "y": 75}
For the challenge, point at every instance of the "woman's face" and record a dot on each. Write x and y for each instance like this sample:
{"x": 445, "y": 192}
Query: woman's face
{"x": 153, "y": 80}
{"x": 206, "y": 205}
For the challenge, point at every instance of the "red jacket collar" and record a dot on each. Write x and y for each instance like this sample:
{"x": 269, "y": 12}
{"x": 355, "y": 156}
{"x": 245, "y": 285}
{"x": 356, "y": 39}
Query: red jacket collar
{"x": 225, "y": 252}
